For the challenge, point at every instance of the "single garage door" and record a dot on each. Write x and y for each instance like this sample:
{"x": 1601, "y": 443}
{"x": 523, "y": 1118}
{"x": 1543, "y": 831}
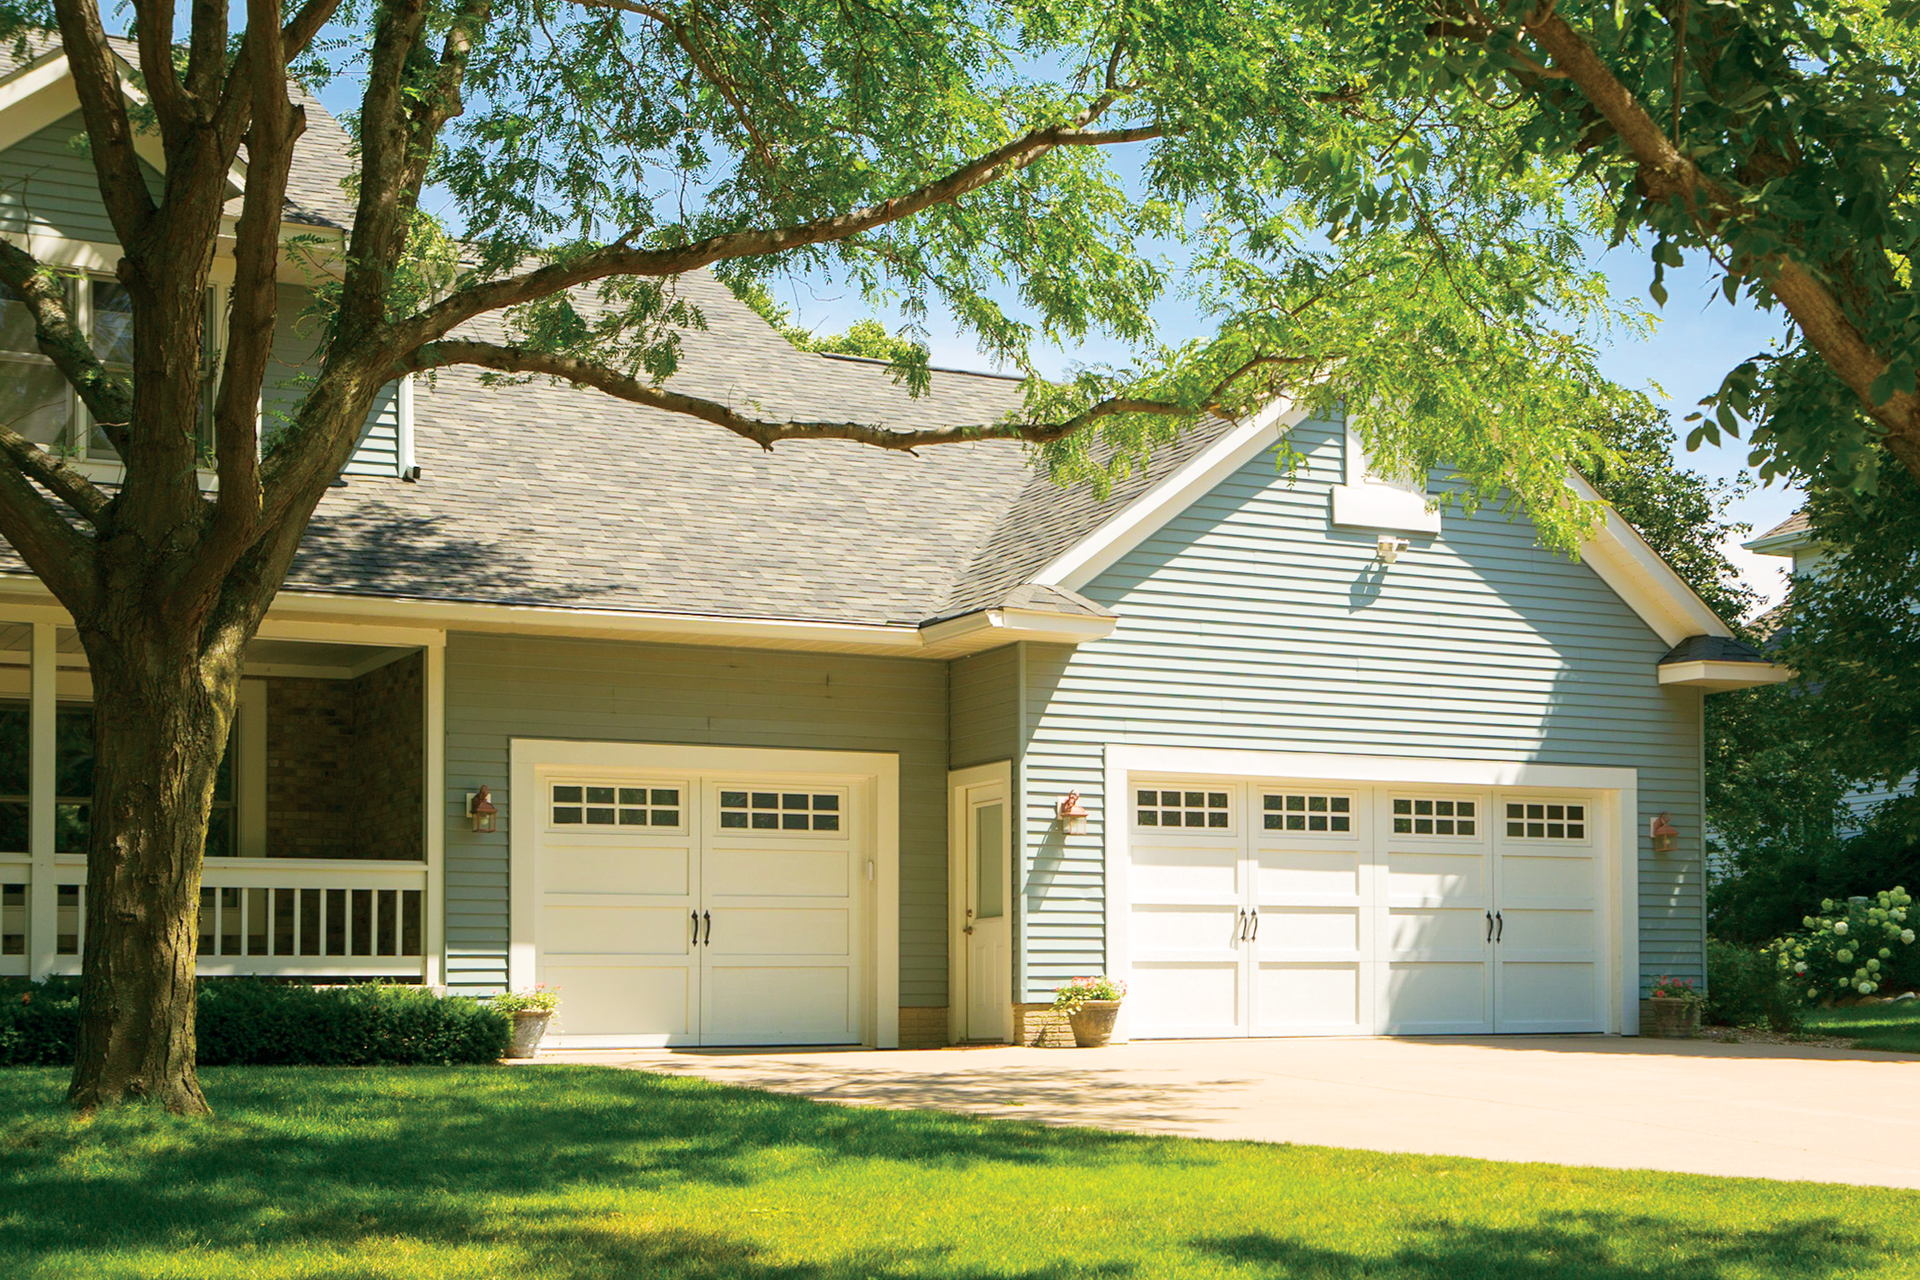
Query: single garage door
{"x": 704, "y": 910}
{"x": 1262, "y": 909}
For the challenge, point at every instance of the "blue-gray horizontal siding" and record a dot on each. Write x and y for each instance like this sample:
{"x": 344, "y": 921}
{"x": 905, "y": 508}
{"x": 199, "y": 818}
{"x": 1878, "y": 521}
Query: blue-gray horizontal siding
{"x": 505, "y": 687}
{"x": 1249, "y": 622}
{"x": 291, "y": 369}
{"x": 985, "y": 707}
{"x": 48, "y": 185}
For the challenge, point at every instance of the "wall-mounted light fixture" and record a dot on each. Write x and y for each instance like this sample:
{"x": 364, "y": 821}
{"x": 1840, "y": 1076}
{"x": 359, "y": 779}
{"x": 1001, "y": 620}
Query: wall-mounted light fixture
{"x": 1073, "y": 816}
{"x": 1666, "y": 836}
{"x": 481, "y": 808}
{"x": 1389, "y": 548}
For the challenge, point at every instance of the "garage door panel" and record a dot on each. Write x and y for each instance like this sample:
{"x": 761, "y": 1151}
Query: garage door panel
{"x": 1549, "y": 997}
{"x": 1437, "y": 998}
{"x": 665, "y": 872}
{"x": 779, "y": 931}
{"x": 1184, "y": 928}
{"x": 1200, "y": 998}
{"x": 1526, "y": 930}
{"x": 1413, "y": 930}
{"x": 1292, "y": 874}
{"x": 1536, "y": 876}
{"x": 628, "y": 1002}
{"x": 1305, "y": 999}
{"x": 603, "y": 929}
{"x": 1186, "y": 873}
{"x": 1289, "y": 930}
{"x": 780, "y": 1004}
{"x": 778, "y": 872}
{"x": 1437, "y": 876}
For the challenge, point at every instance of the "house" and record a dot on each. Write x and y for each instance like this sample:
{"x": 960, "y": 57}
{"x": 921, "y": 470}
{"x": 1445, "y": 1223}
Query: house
{"x": 794, "y": 747}
{"x": 1794, "y": 539}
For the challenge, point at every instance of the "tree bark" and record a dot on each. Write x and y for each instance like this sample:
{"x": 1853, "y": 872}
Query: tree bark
{"x": 162, "y": 711}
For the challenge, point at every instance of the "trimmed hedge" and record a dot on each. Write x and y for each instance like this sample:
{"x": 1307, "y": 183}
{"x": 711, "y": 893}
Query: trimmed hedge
{"x": 247, "y": 1022}
{"x": 1744, "y": 988}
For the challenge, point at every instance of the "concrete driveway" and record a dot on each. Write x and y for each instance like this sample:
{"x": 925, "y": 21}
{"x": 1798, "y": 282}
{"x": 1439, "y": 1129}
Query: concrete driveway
{"x": 1760, "y": 1111}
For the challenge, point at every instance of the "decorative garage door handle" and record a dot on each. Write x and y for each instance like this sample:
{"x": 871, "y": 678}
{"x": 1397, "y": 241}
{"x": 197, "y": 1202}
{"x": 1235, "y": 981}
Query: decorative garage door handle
{"x": 708, "y": 917}
{"x": 1499, "y": 926}
{"x": 1255, "y": 935}
{"x": 1240, "y": 926}
{"x": 696, "y": 927}
{"x": 1489, "y": 926}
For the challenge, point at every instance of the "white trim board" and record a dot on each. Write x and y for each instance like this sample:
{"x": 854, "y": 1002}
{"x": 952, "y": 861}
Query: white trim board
{"x": 1622, "y": 823}
{"x": 1715, "y": 676}
{"x": 529, "y": 756}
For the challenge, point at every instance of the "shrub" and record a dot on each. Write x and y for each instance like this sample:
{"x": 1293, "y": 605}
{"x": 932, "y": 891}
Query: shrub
{"x": 248, "y": 1022}
{"x": 1848, "y": 949}
{"x": 1744, "y": 988}
{"x": 1077, "y": 991}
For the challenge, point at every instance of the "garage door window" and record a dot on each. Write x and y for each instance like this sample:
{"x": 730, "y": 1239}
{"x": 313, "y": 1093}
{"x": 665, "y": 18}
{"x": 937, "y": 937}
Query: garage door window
{"x": 1547, "y": 821}
{"x": 1332, "y": 815}
{"x": 1414, "y": 816}
{"x": 780, "y": 810}
{"x": 579, "y": 804}
{"x": 1165, "y": 808}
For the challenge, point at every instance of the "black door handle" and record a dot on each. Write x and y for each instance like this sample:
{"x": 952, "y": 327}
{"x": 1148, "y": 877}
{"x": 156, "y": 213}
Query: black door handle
{"x": 1240, "y": 925}
{"x": 1255, "y": 937}
{"x": 1489, "y": 926}
{"x": 696, "y": 927}
{"x": 708, "y": 917}
{"x": 1499, "y": 926}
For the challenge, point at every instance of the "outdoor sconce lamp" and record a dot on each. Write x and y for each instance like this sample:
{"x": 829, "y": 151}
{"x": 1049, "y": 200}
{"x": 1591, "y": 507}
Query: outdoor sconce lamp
{"x": 1666, "y": 836}
{"x": 1389, "y": 548}
{"x": 482, "y": 809}
{"x": 1073, "y": 816}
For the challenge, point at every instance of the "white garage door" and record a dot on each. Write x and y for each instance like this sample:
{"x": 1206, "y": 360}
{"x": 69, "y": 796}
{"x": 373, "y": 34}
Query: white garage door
{"x": 1260, "y": 908}
{"x": 708, "y": 910}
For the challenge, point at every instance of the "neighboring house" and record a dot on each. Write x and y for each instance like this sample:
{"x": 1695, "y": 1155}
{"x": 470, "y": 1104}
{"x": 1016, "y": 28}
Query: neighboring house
{"x": 783, "y": 743}
{"x": 1794, "y": 540}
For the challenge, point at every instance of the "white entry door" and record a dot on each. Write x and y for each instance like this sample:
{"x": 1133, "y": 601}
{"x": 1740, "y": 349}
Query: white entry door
{"x": 702, "y": 910}
{"x": 982, "y": 847}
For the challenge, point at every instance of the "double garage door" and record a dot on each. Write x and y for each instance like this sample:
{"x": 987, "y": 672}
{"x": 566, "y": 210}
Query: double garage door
{"x": 709, "y": 910}
{"x": 1263, "y": 909}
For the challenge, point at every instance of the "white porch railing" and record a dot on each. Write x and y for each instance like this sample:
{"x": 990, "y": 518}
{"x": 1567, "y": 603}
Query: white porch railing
{"x": 293, "y": 917}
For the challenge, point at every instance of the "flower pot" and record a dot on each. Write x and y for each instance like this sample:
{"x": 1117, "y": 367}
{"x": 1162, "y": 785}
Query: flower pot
{"x": 1673, "y": 1019}
{"x": 1092, "y": 1022}
{"x": 528, "y": 1026}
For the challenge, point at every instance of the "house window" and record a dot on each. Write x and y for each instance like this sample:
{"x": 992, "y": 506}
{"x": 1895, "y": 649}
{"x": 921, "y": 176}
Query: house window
{"x": 13, "y": 919}
{"x": 582, "y": 804}
{"x": 1546, "y": 821}
{"x": 1329, "y": 815}
{"x": 780, "y": 810}
{"x": 1417, "y": 817}
{"x": 73, "y": 783}
{"x": 1165, "y": 808}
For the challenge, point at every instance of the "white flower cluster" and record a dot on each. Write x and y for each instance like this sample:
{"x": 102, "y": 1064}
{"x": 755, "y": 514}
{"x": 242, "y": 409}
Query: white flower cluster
{"x": 1824, "y": 954}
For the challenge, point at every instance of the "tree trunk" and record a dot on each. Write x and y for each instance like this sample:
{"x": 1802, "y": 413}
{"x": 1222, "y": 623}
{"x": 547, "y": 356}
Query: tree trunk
{"x": 162, "y": 709}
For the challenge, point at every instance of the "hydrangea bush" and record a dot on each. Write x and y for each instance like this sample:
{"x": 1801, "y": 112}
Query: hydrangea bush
{"x": 1847, "y": 949}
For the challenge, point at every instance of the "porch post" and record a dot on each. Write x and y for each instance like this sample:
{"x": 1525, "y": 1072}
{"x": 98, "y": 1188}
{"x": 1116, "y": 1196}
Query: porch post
{"x": 42, "y": 916}
{"x": 433, "y": 943}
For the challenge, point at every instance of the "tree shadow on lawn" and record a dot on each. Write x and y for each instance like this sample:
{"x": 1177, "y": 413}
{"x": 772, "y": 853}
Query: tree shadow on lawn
{"x": 1567, "y": 1246}
{"x": 335, "y": 1155}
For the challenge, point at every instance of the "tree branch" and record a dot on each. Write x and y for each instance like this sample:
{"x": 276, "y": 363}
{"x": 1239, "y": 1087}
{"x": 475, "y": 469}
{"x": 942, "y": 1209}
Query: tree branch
{"x": 386, "y": 141}
{"x": 107, "y": 398}
{"x": 511, "y": 359}
{"x": 103, "y": 105}
{"x": 235, "y": 112}
{"x": 154, "y": 20}
{"x": 58, "y": 554}
{"x": 56, "y": 477}
{"x": 621, "y": 259}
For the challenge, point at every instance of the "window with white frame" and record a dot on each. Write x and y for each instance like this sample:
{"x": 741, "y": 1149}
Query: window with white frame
{"x": 590, "y": 804}
{"x": 1546, "y": 820}
{"x": 1430, "y": 816}
{"x": 1184, "y": 808}
{"x": 1361, "y": 470}
{"x": 1308, "y": 812}
{"x": 781, "y": 810}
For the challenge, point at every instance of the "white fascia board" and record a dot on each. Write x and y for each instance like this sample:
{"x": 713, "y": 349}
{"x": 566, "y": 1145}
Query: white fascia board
{"x": 991, "y": 628}
{"x": 1145, "y": 515}
{"x": 1638, "y": 575}
{"x": 1383, "y": 507}
{"x": 1781, "y": 544}
{"x": 1717, "y": 676}
{"x": 32, "y": 99}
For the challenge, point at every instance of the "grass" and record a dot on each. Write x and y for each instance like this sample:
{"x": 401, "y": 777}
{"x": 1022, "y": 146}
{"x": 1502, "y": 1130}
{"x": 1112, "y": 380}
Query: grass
{"x": 581, "y": 1173}
{"x": 1874, "y": 1026}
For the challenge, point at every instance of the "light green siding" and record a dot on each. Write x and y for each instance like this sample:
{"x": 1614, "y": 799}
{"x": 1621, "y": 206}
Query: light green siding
{"x": 291, "y": 370}
{"x": 49, "y": 187}
{"x": 985, "y": 707}
{"x": 502, "y": 687}
{"x": 1249, "y": 623}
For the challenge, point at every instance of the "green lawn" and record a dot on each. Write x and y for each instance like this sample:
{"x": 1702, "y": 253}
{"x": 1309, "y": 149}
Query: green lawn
{"x": 1877, "y": 1026}
{"x": 579, "y": 1173}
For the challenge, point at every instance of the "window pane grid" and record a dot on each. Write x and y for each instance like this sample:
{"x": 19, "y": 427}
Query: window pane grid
{"x": 1164, "y": 807}
{"x": 1413, "y": 816}
{"x": 748, "y": 810}
{"x": 1308, "y": 812}
{"x": 580, "y": 804}
{"x": 1546, "y": 821}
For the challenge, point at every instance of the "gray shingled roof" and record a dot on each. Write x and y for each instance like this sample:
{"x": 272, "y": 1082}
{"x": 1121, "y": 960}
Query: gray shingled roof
{"x": 548, "y": 495}
{"x": 1713, "y": 649}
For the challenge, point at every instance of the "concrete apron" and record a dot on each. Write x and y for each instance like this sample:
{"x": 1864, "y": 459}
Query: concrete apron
{"x": 1760, "y": 1111}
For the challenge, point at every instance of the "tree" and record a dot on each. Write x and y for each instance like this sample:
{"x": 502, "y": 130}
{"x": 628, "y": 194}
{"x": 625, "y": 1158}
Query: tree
{"x": 1778, "y": 137}
{"x": 597, "y": 149}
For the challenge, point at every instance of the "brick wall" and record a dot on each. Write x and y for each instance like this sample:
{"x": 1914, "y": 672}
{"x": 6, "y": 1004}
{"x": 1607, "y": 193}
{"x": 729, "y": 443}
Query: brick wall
{"x": 923, "y": 1028}
{"x": 344, "y": 761}
{"x": 1041, "y": 1026}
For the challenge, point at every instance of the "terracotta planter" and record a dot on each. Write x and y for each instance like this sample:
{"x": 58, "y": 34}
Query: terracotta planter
{"x": 1092, "y": 1022}
{"x": 1673, "y": 1019}
{"x": 528, "y": 1026}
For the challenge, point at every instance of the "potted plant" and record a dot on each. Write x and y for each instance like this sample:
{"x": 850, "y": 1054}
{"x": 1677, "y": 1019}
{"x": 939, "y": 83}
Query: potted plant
{"x": 1091, "y": 1005}
{"x": 1676, "y": 1009}
{"x": 531, "y": 1010}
